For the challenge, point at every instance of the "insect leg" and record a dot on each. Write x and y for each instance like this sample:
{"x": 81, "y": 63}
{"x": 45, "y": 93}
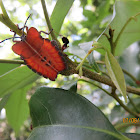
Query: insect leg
{"x": 46, "y": 32}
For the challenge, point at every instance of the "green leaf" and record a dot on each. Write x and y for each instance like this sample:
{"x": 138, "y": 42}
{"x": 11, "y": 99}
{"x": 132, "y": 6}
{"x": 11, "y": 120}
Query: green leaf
{"x": 15, "y": 79}
{"x": 7, "y": 67}
{"x": 65, "y": 107}
{"x": 58, "y": 14}
{"x": 103, "y": 10}
{"x": 49, "y": 106}
{"x": 123, "y": 10}
{"x": 67, "y": 116}
{"x": 65, "y": 132}
{"x": 115, "y": 73}
{"x": 17, "y": 109}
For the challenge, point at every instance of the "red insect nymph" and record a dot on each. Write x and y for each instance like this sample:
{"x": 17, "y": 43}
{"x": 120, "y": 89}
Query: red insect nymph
{"x": 41, "y": 55}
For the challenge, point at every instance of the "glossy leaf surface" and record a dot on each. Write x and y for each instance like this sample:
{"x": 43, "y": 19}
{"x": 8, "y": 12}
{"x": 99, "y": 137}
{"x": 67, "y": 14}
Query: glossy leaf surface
{"x": 63, "y": 132}
{"x": 49, "y": 106}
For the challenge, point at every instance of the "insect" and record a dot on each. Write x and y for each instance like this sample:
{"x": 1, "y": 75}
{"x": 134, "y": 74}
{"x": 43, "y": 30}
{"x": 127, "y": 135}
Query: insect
{"x": 39, "y": 54}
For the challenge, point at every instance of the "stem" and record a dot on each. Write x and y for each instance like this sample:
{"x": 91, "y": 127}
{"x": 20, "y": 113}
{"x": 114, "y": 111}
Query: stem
{"x": 111, "y": 33}
{"x": 123, "y": 28}
{"x": 132, "y": 103}
{"x": 3, "y": 10}
{"x": 95, "y": 45}
{"x": 103, "y": 79}
{"x": 114, "y": 95}
{"x": 91, "y": 82}
{"x": 87, "y": 73}
{"x": 48, "y": 21}
{"x": 129, "y": 74}
{"x": 11, "y": 61}
{"x": 125, "y": 107}
{"x": 133, "y": 90}
{"x": 123, "y": 125}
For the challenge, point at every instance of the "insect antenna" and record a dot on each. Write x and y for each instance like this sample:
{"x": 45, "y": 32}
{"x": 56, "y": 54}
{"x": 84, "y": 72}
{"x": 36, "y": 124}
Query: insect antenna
{"x": 25, "y": 24}
{"x": 9, "y": 39}
{"x": 15, "y": 32}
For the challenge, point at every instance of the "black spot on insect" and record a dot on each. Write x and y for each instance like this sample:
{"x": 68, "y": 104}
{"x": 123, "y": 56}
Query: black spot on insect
{"x": 44, "y": 59}
{"x": 48, "y": 63}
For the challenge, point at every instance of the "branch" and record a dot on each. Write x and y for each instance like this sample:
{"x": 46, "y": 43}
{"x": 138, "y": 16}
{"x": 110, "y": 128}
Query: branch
{"x": 71, "y": 69}
{"x": 133, "y": 104}
{"x": 123, "y": 125}
{"x": 130, "y": 75}
{"x": 133, "y": 90}
{"x": 112, "y": 95}
{"x": 94, "y": 76}
{"x": 113, "y": 44}
{"x": 124, "y": 106}
{"x": 123, "y": 28}
{"x": 107, "y": 81}
{"x": 12, "y": 61}
{"x": 48, "y": 22}
{"x": 91, "y": 82}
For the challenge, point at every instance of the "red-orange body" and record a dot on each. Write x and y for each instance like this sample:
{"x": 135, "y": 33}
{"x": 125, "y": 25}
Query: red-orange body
{"x": 41, "y": 55}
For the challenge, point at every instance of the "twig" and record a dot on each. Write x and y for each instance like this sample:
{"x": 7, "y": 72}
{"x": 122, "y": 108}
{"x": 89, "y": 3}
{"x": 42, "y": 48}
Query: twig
{"x": 12, "y": 61}
{"x": 48, "y": 21}
{"x": 132, "y": 103}
{"x": 93, "y": 83}
{"x": 123, "y": 28}
{"x": 112, "y": 95}
{"x": 125, "y": 107}
{"x": 87, "y": 73}
{"x": 123, "y": 125}
{"x": 103, "y": 79}
{"x": 113, "y": 44}
{"x": 130, "y": 75}
{"x": 133, "y": 90}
